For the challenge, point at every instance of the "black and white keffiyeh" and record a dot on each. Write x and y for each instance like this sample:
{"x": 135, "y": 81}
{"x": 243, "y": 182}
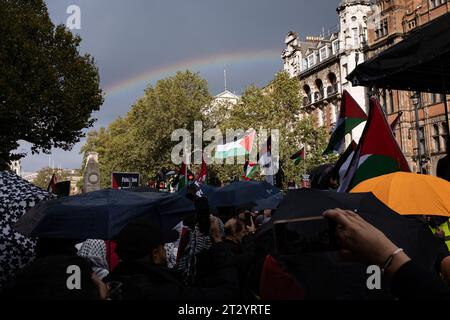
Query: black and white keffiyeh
{"x": 16, "y": 197}
{"x": 95, "y": 251}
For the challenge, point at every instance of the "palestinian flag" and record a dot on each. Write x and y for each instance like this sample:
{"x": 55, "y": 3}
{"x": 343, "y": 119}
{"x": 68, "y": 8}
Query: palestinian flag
{"x": 180, "y": 180}
{"x": 298, "y": 156}
{"x": 250, "y": 169}
{"x": 52, "y": 184}
{"x": 242, "y": 146}
{"x": 377, "y": 153}
{"x": 201, "y": 176}
{"x": 351, "y": 115}
{"x": 341, "y": 166}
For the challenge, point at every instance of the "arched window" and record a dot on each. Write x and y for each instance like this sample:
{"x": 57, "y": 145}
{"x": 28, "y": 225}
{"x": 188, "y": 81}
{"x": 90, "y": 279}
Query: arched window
{"x": 436, "y": 138}
{"x": 320, "y": 90}
{"x": 307, "y": 99}
{"x": 333, "y": 88}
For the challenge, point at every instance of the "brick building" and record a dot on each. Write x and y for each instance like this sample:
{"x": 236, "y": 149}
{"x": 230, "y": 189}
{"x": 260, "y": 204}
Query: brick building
{"x": 388, "y": 23}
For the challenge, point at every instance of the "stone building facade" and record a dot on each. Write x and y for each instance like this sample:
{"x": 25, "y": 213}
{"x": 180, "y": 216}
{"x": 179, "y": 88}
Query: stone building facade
{"x": 322, "y": 64}
{"x": 389, "y": 22}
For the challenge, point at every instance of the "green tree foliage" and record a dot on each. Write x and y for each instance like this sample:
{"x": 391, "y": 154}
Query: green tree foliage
{"x": 48, "y": 90}
{"x": 141, "y": 141}
{"x": 278, "y": 106}
{"x": 45, "y": 174}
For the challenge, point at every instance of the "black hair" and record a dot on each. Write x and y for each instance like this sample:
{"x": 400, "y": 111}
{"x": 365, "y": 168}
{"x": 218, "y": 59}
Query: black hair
{"x": 47, "y": 279}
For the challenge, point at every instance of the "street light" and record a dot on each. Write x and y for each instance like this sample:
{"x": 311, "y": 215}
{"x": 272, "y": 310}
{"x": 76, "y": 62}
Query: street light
{"x": 415, "y": 98}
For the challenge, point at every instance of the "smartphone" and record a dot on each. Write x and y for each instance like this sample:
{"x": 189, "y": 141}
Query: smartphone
{"x": 304, "y": 235}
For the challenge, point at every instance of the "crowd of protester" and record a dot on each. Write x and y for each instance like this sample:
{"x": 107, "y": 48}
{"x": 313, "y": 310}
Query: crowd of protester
{"x": 223, "y": 262}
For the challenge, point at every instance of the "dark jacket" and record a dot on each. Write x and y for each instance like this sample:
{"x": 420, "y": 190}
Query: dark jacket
{"x": 412, "y": 282}
{"x": 149, "y": 282}
{"x": 244, "y": 255}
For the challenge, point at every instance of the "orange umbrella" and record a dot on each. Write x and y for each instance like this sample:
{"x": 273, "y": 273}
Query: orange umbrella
{"x": 410, "y": 193}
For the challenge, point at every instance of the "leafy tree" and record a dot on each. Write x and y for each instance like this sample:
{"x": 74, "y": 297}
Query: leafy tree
{"x": 48, "y": 90}
{"x": 141, "y": 141}
{"x": 278, "y": 106}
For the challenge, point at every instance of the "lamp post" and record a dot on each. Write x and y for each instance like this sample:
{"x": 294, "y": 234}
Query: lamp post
{"x": 415, "y": 98}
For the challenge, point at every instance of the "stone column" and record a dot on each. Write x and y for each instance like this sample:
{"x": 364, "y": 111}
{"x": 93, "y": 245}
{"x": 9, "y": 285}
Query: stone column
{"x": 91, "y": 173}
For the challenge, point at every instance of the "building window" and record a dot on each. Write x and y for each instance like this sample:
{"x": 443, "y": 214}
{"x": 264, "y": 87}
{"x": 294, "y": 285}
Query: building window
{"x": 345, "y": 67}
{"x": 436, "y": 138}
{"x": 432, "y": 98}
{"x": 355, "y": 37}
{"x": 333, "y": 88}
{"x": 436, "y": 3}
{"x": 444, "y": 134}
{"x": 335, "y": 46}
{"x": 422, "y": 140}
{"x": 310, "y": 60}
{"x": 382, "y": 29}
{"x": 323, "y": 53}
{"x": 308, "y": 98}
{"x": 319, "y": 85}
{"x": 304, "y": 64}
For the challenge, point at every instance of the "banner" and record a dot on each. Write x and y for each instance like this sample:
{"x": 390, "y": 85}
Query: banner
{"x": 124, "y": 180}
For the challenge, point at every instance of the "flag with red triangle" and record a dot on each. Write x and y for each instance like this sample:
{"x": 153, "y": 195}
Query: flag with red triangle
{"x": 298, "y": 156}
{"x": 350, "y": 116}
{"x": 250, "y": 169}
{"x": 52, "y": 184}
{"x": 201, "y": 176}
{"x": 241, "y": 146}
{"x": 341, "y": 166}
{"x": 180, "y": 180}
{"x": 377, "y": 152}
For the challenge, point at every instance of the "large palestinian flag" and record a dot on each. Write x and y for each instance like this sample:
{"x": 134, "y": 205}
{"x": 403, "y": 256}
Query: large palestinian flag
{"x": 350, "y": 116}
{"x": 242, "y": 146}
{"x": 377, "y": 153}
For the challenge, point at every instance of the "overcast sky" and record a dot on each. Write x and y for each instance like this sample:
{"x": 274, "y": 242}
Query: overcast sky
{"x": 137, "y": 42}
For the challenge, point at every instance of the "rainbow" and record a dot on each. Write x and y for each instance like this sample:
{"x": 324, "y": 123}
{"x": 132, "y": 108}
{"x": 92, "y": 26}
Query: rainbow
{"x": 211, "y": 61}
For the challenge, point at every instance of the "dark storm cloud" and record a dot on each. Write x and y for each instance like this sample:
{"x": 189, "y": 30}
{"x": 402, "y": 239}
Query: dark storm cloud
{"x": 129, "y": 37}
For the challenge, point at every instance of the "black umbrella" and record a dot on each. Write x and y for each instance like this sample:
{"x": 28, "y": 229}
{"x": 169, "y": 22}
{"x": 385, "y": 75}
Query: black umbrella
{"x": 323, "y": 274}
{"x": 102, "y": 214}
{"x": 242, "y": 193}
{"x": 421, "y": 62}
